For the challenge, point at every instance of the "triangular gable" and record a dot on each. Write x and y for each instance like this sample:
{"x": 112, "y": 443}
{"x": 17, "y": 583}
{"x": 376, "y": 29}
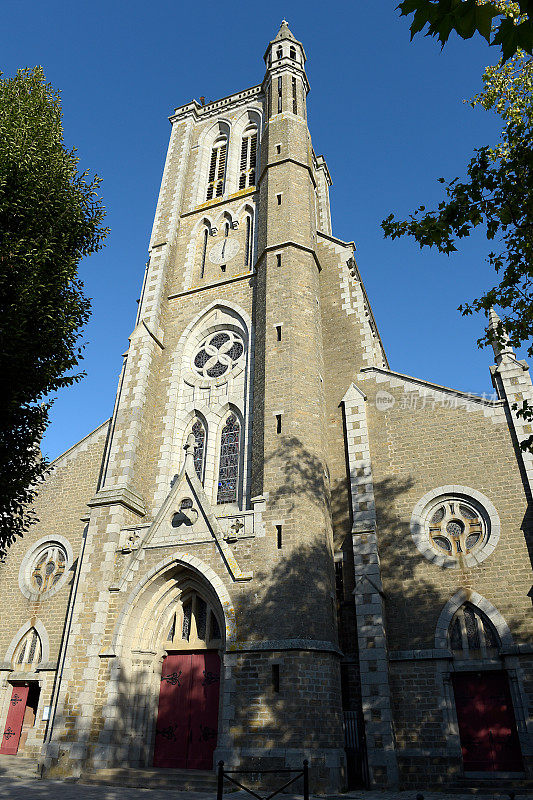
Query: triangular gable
{"x": 186, "y": 508}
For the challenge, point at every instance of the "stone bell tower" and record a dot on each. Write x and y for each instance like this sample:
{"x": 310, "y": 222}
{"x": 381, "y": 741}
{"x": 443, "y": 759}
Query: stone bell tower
{"x": 219, "y": 562}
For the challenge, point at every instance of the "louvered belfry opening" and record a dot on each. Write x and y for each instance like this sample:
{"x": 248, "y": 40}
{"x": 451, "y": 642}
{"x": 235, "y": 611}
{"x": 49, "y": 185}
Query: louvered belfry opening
{"x": 248, "y": 159}
{"x": 217, "y": 169}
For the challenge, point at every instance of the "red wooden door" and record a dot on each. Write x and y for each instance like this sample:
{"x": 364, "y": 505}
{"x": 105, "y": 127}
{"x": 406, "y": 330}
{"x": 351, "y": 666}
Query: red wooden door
{"x": 487, "y": 726}
{"x": 15, "y": 717}
{"x": 205, "y": 686}
{"x": 187, "y": 719}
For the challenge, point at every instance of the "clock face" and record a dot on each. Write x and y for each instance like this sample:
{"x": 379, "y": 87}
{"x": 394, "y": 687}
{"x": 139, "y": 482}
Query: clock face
{"x": 224, "y": 251}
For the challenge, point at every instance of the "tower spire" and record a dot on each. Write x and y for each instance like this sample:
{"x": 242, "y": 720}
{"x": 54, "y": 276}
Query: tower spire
{"x": 499, "y": 338}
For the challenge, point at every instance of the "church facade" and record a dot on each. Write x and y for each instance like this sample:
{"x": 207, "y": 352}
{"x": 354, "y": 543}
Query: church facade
{"x": 277, "y": 547}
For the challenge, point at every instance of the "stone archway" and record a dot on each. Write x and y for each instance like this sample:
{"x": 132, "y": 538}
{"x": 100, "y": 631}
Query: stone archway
{"x": 179, "y": 593}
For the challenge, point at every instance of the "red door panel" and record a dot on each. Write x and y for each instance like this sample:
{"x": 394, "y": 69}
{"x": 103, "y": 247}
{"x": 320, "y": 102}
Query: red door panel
{"x": 487, "y": 726}
{"x": 15, "y": 717}
{"x": 204, "y": 710}
{"x": 187, "y": 719}
{"x": 172, "y": 727}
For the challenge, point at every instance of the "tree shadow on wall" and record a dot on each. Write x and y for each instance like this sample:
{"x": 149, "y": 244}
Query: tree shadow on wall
{"x": 287, "y": 695}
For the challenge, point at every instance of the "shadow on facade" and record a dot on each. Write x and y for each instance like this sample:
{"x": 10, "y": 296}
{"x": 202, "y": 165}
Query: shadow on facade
{"x": 285, "y": 699}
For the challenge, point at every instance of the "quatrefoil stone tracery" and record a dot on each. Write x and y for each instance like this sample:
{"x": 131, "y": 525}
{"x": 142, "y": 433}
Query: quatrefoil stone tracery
{"x": 218, "y": 354}
{"x": 455, "y": 527}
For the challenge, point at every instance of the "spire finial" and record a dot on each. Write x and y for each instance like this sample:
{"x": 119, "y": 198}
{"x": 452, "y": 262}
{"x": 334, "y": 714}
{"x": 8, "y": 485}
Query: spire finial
{"x": 498, "y": 336}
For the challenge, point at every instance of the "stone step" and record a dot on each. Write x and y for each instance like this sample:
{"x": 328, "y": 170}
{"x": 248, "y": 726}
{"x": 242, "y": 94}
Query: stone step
{"x": 178, "y": 779}
{"x": 499, "y": 785}
{"x": 17, "y": 767}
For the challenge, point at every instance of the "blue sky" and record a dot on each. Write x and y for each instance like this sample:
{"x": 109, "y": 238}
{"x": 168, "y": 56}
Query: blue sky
{"x": 387, "y": 115}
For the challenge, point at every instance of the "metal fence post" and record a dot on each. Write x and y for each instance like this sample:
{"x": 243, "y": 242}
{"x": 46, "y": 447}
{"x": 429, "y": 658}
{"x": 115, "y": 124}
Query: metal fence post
{"x": 306, "y": 779}
{"x": 220, "y": 780}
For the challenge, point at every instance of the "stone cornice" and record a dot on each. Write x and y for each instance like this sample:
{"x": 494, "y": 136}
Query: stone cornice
{"x": 214, "y": 285}
{"x": 119, "y": 495}
{"x": 285, "y": 644}
{"x": 195, "y": 109}
{"x": 289, "y": 243}
{"x": 285, "y": 161}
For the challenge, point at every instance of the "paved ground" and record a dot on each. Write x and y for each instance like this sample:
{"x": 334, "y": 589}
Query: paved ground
{"x": 16, "y": 789}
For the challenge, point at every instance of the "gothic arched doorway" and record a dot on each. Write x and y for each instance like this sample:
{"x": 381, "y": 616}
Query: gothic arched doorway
{"x": 187, "y": 717}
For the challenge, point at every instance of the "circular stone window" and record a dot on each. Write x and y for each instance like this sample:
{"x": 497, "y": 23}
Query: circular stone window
{"x": 218, "y": 354}
{"x": 452, "y": 529}
{"x": 44, "y": 568}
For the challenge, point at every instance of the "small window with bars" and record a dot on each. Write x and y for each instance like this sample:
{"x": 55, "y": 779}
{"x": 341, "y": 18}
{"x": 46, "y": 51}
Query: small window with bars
{"x": 217, "y": 169}
{"x": 247, "y": 166}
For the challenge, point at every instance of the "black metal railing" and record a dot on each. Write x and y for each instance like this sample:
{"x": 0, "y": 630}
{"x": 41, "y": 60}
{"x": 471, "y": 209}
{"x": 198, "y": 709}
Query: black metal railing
{"x": 224, "y": 774}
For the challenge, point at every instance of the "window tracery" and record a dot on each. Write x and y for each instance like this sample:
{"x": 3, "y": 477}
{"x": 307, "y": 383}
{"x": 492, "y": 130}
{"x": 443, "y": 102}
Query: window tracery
{"x": 218, "y": 354}
{"x": 48, "y": 567}
{"x": 193, "y": 624}
{"x": 199, "y": 432}
{"x": 456, "y": 527}
{"x": 228, "y": 472}
{"x": 471, "y": 633}
{"x": 28, "y": 652}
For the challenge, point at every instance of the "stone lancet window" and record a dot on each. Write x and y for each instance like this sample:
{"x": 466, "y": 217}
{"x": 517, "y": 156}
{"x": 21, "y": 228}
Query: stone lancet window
{"x": 472, "y": 634}
{"x": 294, "y": 98}
{"x": 198, "y": 429}
{"x": 28, "y": 652}
{"x": 279, "y": 52}
{"x": 217, "y": 169}
{"x": 228, "y": 473}
{"x": 280, "y": 95}
{"x": 204, "y": 252}
{"x": 248, "y": 159}
{"x": 248, "y": 242}
{"x": 292, "y": 53}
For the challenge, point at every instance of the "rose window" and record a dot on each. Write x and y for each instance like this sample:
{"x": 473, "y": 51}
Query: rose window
{"x": 218, "y": 354}
{"x": 455, "y": 527}
{"x": 48, "y": 567}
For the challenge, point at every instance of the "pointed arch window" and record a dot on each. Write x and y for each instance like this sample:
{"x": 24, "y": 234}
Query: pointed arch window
{"x": 217, "y": 168}
{"x": 471, "y": 634}
{"x": 248, "y": 242}
{"x": 199, "y": 432}
{"x": 279, "y": 52}
{"x": 204, "y": 252}
{"x": 28, "y": 652}
{"x": 292, "y": 53}
{"x": 228, "y": 472}
{"x": 248, "y": 159}
{"x": 193, "y": 624}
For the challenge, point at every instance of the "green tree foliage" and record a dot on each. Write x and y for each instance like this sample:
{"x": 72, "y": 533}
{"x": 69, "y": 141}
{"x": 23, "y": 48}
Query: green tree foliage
{"x": 50, "y": 218}
{"x": 497, "y": 196}
{"x": 511, "y": 31}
